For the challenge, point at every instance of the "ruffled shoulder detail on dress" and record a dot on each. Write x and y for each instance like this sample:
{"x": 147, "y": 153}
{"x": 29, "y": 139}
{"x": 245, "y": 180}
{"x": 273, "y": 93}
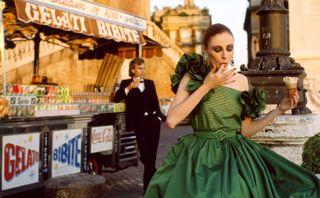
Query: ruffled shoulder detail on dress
{"x": 196, "y": 67}
{"x": 253, "y": 103}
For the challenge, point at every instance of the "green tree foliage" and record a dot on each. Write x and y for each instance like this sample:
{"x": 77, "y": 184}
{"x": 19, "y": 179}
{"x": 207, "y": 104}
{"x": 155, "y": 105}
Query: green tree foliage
{"x": 311, "y": 154}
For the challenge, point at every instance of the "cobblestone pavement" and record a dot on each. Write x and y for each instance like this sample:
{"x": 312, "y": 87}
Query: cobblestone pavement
{"x": 128, "y": 183}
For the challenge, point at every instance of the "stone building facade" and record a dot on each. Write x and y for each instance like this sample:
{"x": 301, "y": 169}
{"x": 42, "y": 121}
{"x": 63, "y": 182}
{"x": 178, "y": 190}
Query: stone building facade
{"x": 184, "y": 25}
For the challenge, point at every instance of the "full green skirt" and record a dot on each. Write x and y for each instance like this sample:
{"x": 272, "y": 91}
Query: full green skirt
{"x": 199, "y": 167}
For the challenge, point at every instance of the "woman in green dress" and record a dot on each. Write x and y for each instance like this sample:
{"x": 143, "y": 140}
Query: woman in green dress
{"x": 218, "y": 159}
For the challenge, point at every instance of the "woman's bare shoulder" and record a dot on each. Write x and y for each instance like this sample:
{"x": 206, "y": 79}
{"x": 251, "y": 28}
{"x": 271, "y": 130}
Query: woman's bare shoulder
{"x": 242, "y": 82}
{"x": 241, "y": 77}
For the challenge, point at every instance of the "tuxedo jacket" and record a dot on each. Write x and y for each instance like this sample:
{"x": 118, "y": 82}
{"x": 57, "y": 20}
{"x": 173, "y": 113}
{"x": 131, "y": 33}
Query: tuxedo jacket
{"x": 138, "y": 103}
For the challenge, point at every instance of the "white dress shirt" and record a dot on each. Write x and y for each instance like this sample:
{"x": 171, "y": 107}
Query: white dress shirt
{"x": 141, "y": 85}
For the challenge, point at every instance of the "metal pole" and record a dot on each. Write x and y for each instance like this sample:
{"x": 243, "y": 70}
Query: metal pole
{"x": 2, "y": 45}
{"x": 140, "y": 50}
{"x": 36, "y": 41}
{"x": 140, "y": 45}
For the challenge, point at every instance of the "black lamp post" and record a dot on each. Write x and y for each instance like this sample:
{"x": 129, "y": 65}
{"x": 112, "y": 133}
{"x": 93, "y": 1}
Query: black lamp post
{"x": 273, "y": 61}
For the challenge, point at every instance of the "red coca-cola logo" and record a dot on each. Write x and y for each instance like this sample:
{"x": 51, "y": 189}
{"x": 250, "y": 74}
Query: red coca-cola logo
{"x": 104, "y": 136}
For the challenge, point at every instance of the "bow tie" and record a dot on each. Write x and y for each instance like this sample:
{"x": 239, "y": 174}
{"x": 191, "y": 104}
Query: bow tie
{"x": 141, "y": 81}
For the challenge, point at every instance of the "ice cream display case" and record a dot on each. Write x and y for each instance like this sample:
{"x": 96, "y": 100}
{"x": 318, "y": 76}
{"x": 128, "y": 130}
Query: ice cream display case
{"x": 47, "y": 131}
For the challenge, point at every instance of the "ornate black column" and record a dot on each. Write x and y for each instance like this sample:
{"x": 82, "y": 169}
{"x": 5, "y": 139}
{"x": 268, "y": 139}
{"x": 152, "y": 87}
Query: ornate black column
{"x": 273, "y": 61}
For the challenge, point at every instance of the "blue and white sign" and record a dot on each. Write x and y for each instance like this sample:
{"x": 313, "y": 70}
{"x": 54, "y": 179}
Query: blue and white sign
{"x": 66, "y": 152}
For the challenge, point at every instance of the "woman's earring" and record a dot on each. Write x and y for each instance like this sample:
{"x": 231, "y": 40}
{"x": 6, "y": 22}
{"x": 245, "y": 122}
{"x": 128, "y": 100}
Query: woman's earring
{"x": 231, "y": 62}
{"x": 206, "y": 59}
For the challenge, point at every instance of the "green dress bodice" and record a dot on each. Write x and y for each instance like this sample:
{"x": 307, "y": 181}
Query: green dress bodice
{"x": 218, "y": 111}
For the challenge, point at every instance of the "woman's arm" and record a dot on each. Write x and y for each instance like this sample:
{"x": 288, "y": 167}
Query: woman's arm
{"x": 249, "y": 126}
{"x": 183, "y": 103}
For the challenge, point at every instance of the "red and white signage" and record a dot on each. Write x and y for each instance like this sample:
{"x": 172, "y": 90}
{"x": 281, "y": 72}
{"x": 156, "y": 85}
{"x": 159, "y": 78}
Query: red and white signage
{"x": 101, "y": 139}
{"x": 66, "y": 152}
{"x": 97, "y": 11}
{"x": 20, "y": 160}
{"x": 82, "y": 17}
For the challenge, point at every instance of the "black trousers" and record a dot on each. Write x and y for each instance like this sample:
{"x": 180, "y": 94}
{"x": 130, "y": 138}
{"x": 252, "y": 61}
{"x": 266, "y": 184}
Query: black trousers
{"x": 148, "y": 134}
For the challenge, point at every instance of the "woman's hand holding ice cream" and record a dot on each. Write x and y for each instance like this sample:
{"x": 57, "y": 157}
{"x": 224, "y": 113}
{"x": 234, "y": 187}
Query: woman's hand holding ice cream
{"x": 292, "y": 98}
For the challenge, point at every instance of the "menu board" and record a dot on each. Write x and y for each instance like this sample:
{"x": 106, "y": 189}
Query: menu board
{"x": 66, "y": 152}
{"x": 20, "y": 160}
{"x": 101, "y": 138}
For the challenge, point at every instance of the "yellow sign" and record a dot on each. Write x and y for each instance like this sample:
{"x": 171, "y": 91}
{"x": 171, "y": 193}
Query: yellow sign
{"x": 2, "y": 5}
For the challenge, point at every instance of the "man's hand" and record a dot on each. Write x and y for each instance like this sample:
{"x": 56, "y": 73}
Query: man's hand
{"x": 134, "y": 83}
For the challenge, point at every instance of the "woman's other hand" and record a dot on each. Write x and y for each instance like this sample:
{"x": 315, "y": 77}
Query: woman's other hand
{"x": 289, "y": 102}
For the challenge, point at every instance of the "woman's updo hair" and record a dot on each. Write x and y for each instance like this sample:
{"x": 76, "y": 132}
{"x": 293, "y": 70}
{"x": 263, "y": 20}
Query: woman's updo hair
{"x": 213, "y": 30}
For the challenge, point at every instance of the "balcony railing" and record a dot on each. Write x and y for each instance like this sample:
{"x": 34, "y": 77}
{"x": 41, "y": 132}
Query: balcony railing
{"x": 23, "y": 53}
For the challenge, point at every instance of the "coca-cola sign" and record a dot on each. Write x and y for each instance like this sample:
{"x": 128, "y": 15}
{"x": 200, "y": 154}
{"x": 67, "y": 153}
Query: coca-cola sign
{"x": 101, "y": 138}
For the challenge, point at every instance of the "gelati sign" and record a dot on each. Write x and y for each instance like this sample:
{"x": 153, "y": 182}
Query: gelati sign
{"x": 82, "y": 17}
{"x": 20, "y": 160}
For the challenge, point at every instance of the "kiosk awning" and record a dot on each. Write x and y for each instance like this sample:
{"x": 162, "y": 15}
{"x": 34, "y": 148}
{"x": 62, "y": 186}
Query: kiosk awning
{"x": 82, "y": 17}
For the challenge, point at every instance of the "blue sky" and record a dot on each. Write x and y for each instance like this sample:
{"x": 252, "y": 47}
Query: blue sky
{"x": 228, "y": 12}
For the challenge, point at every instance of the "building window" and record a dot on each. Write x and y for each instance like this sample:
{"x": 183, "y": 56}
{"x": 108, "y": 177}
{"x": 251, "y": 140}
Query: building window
{"x": 198, "y": 35}
{"x": 185, "y": 35}
{"x": 173, "y": 35}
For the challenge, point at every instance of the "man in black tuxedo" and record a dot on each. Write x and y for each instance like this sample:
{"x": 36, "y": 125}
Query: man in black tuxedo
{"x": 143, "y": 115}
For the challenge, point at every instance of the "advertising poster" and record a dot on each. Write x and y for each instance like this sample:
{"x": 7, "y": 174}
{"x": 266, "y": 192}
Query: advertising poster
{"x": 20, "y": 160}
{"x": 101, "y": 138}
{"x": 66, "y": 152}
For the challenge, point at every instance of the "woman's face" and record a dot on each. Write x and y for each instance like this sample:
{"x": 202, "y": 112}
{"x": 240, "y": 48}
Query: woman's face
{"x": 220, "y": 49}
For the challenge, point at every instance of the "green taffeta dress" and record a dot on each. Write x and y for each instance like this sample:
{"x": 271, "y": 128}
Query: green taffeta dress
{"x": 216, "y": 161}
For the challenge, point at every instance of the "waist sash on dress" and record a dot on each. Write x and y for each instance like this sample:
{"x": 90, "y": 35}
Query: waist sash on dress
{"x": 218, "y": 134}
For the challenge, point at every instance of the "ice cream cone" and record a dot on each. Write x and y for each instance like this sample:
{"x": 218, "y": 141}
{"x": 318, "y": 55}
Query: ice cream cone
{"x": 291, "y": 84}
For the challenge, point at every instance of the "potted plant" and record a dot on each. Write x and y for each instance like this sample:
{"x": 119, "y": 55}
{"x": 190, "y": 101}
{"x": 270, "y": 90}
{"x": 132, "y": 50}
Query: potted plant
{"x": 311, "y": 154}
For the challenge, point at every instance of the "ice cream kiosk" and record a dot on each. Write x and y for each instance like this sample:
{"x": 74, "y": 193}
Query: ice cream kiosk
{"x": 46, "y": 129}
